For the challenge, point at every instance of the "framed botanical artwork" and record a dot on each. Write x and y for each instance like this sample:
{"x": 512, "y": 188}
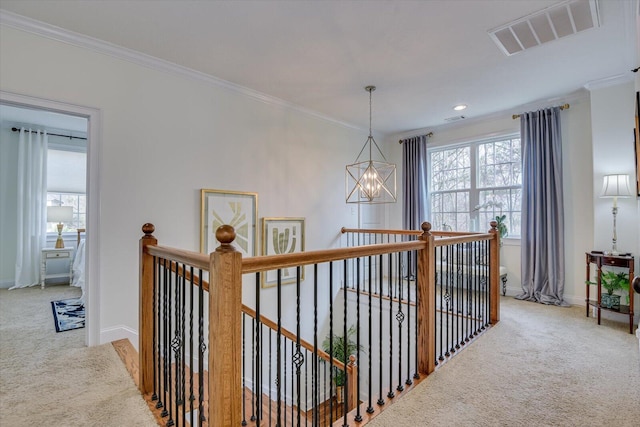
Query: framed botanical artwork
{"x": 238, "y": 209}
{"x": 282, "y": 236}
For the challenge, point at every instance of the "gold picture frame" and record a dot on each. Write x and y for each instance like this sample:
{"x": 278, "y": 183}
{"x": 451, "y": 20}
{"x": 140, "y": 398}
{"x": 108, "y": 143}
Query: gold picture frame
{"x": 235, "y": 208}
{"x": 282, "y": 236}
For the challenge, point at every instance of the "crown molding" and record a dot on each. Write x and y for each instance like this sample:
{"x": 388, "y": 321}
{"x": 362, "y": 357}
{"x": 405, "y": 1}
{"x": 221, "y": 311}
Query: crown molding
{"x": 59, "y": 34}
{"x": 569, "y": 98}
{"x": 608, "y": 81}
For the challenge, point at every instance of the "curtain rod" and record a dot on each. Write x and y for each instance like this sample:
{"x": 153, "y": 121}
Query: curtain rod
{"x": 430, "y": 134}
{"x": 562, "y": 107}
{"x": 52, "y": 134}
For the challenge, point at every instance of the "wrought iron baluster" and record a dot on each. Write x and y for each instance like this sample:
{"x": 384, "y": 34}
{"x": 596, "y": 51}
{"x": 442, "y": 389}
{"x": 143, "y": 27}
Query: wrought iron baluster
{"x": 254, "y": 321}
{"x": 279, "y": 352}
{"x": 440, "y": 330}
{"x": 169, "y": 356}
{"x": 298, "y": 357}
{"x": 191, "y": 332}
{"x": 358, "y": 416}
{"x": 165, "y": 341}
{"x": 447, "y": 298}
{"x": 345, "y": 405}
{"x": 270, "y": 383}
{"x": 487, "y": 292}
{"x": 400, "y": 318}
{"x": 459, "y": 281}
{"x": 257, "y": 389}
{"x": 331, "y": 369}
{"x": 370, "y": 373}
{"x": 390, "y": 394}
{"x": 314, "y": 369}
{"x": 156, "y": 338}
{"x": 244, "y": 375}
{"x": 416, "y": 374}
{"x": 183, "y": 343}
{"x": 201, "y": 349}
{"x": 380, "y": 267}
{"x": 410, "y": 268}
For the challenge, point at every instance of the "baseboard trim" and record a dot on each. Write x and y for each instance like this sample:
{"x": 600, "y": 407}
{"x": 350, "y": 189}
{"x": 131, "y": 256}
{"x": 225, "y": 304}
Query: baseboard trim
{"x": 119, "y": 332}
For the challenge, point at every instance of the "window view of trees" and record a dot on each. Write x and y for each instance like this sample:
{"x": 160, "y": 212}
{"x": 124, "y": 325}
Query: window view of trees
{"x": 79, "y": 203}
{"x": 472, "y": 184}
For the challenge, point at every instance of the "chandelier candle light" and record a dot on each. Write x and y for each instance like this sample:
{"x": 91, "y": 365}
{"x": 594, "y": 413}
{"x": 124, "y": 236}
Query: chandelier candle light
{"x": 370, "y": 181}
{"x": 59, "y": 214}
{"x": 615, "y": 186}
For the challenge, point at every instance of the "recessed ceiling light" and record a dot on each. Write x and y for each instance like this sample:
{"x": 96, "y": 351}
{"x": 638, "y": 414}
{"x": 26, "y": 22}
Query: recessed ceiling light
{"x": 460, "y": 107}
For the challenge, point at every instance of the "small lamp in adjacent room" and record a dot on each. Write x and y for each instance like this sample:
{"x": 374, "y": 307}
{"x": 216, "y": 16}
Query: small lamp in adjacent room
{"x": 615, "y": 186}
{"x": 59, "y": 214}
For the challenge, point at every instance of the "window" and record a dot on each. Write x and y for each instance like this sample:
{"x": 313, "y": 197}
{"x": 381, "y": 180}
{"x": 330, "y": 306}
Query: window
{"x": 66, "y": 181}
{"x": 79, "y": 203}
{"x": 471, "y": 184}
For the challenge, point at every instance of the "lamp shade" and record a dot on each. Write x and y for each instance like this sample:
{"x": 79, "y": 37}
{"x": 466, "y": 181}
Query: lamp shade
{"x": 59, "y": 213}
{"x": 616, "y": 186}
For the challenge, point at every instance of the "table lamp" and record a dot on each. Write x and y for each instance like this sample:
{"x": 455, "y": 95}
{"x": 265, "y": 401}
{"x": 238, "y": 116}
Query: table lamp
{"x": 59, "y": 214}
{"x": 615, "y": 186}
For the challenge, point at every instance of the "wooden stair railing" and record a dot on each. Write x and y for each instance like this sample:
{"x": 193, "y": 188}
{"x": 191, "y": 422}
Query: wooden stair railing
{"x": 226, "y": 268}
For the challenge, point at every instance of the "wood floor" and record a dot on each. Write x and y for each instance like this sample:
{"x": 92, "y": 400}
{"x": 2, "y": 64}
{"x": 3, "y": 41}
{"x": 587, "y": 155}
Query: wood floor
{"x": 180, "y": 415}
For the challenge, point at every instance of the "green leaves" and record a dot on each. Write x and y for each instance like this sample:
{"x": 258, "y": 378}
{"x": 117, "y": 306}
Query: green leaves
{"x": 502, "y": 227}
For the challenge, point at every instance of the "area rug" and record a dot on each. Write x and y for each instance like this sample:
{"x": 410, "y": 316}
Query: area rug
{"x": 68, "y": 314}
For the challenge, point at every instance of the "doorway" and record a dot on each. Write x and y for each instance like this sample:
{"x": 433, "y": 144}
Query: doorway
{"x": 31, "y": 106}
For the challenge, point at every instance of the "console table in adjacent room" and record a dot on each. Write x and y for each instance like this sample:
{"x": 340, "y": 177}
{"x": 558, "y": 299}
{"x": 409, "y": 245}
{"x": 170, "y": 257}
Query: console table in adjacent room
{"x": 49, "y": 254}
{"x": 601, "y": 259}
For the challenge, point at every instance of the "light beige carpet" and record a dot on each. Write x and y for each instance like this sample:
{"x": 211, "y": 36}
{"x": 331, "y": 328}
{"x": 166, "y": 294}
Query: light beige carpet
{"x": 52, "y": 379}
{"x": 540, "y": 366}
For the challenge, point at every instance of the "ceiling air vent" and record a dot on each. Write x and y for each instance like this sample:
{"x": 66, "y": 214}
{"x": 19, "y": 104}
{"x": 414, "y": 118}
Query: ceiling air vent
{"x": 564, "y": 19}
{"x": 454, "y": 118}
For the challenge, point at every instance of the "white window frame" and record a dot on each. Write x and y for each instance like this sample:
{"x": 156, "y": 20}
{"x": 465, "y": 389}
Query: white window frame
{"x": 473, "y": 189}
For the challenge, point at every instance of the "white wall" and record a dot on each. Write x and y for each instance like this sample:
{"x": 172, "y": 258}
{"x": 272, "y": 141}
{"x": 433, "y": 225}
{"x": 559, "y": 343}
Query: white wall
{"x": 8, "y": 202}
{"x": 576, "y": 138}
{"x": 164, "y": 137}
{"x": 612, "y": 123}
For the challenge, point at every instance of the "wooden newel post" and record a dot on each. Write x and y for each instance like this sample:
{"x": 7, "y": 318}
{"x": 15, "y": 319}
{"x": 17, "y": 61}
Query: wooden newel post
{"x": 494, "y": 274}
{"x": 225, "y": 335}
{"x": 145, "y": 320}
{"x": 352, "y": 386}
{"x": 426, "y": 285}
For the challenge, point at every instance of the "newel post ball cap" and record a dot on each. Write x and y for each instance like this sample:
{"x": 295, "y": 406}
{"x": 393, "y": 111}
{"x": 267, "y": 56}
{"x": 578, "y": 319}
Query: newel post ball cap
{"x": 494, "y": 225}
{"x": 148, "y": 229}
{"x": 226, "y": 235}
{"x": 426, "y": 226}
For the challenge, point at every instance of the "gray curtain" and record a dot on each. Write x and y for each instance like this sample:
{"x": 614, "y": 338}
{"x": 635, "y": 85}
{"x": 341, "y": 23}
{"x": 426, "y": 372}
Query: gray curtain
{"x": 414, "y": 182}
{"x": 414, "y": 191}
{"x": 542, "y": 236}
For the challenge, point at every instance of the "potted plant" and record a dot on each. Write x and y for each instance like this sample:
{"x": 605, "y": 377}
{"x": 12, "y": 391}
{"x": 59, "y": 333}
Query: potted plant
{"x": 502, "y": 226}
{"x": 612, "y": 281}
{"x": 340, "y": 349}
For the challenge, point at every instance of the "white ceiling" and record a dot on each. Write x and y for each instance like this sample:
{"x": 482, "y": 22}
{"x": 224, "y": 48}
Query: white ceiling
{"x": 423, "y": 56}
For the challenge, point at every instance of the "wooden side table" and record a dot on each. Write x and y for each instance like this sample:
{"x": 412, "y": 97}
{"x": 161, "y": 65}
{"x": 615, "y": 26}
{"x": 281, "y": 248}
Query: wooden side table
{"x": 600, "y": 260}
{"x": 49, "y": 254}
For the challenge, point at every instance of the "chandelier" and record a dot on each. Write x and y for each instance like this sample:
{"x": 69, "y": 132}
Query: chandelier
{"x": 374, "y": 180}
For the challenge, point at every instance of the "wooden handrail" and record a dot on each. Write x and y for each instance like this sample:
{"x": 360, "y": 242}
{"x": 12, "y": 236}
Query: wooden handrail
{"x": 467, "y": 238}
{"x": 195, "y": 259}
{"x": 272, "y": 262}
{"x": 344, "y": 230}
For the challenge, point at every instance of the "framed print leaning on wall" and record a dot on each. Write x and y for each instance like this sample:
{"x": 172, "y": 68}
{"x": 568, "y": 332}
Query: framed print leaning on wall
{"x": 234, "y": 208}
{"x": 282, "y": 236}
